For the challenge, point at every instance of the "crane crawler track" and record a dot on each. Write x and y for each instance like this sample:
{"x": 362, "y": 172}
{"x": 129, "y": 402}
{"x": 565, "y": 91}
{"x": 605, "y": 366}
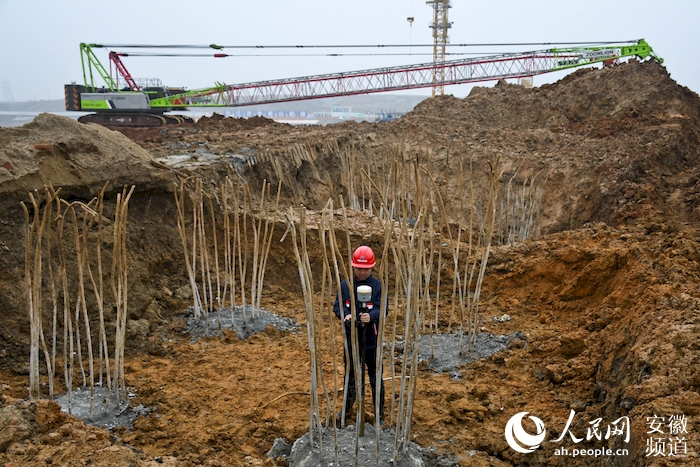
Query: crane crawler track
{"x": 134, "y": 119}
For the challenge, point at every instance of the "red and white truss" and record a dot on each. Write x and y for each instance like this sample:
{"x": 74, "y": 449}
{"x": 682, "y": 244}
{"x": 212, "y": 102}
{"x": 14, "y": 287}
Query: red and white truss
{"x": 381, "y": 79}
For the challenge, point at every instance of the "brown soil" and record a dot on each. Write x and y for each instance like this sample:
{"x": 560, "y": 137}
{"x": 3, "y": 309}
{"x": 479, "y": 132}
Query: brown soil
{"x": 608, "y": 296}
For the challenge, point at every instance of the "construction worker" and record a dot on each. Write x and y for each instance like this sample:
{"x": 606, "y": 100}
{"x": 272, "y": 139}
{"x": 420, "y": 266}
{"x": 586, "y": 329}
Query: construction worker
{"x": 367, "y": 322}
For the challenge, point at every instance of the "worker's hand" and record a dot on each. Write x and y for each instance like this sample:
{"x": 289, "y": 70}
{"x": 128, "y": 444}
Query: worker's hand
{"x": 364, "y": 317}
{"x": 348, "y": 317}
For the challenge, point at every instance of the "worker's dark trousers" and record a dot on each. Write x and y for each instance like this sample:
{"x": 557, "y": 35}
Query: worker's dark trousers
{"x": 371, "y": 365}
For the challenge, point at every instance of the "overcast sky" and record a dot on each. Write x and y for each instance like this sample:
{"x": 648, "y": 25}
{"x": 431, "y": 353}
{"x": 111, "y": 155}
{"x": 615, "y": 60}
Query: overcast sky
{"x": 40, "y": 38}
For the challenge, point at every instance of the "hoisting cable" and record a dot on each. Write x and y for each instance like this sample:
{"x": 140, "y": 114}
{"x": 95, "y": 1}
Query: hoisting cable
{"x": 347, "y": 46}
{"x": 140, "y": 54}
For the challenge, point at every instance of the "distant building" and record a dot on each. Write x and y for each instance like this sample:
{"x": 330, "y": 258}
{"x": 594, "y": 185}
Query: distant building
{"x": 341, "y": 112}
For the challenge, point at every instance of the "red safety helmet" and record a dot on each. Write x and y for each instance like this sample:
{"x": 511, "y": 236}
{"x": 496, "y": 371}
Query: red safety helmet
{"x": 363, "y": 258}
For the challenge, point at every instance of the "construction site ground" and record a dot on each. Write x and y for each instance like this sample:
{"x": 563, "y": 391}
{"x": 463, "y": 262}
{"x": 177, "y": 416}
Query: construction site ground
{"x": 605, "y": 301}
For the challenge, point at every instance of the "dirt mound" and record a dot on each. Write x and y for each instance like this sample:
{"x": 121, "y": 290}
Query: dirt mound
{"x": 641, "y": 91}
{"x": 218, "y": 121}
{"x": 79, "y": 158}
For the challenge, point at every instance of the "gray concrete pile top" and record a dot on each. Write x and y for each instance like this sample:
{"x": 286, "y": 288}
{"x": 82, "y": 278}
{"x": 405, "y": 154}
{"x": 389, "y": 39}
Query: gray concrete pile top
{"x": 107, "y": 417}
{"x": 305, "y": 455}
{"x": 244, "y": 327}
{"x": 444, "y": 357}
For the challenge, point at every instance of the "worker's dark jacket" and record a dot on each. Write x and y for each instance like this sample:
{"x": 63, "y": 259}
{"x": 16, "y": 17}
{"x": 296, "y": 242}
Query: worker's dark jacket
{"x": 341, "y": 308}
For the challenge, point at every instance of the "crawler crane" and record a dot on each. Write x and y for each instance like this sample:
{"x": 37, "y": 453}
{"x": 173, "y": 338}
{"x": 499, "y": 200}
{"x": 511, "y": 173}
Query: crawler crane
{"x": 146, "y": 104}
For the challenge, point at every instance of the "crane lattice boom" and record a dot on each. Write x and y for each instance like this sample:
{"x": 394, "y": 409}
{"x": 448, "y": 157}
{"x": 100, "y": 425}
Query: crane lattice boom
{"x": 462, "y": 71}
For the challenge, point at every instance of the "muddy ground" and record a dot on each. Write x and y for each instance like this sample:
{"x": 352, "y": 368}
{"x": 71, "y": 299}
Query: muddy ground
{"x": 607, "y": 296}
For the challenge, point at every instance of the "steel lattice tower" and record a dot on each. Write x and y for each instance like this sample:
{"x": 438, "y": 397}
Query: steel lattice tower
{"x": 440, "y": 25}
{"x": 6, "y": 92}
